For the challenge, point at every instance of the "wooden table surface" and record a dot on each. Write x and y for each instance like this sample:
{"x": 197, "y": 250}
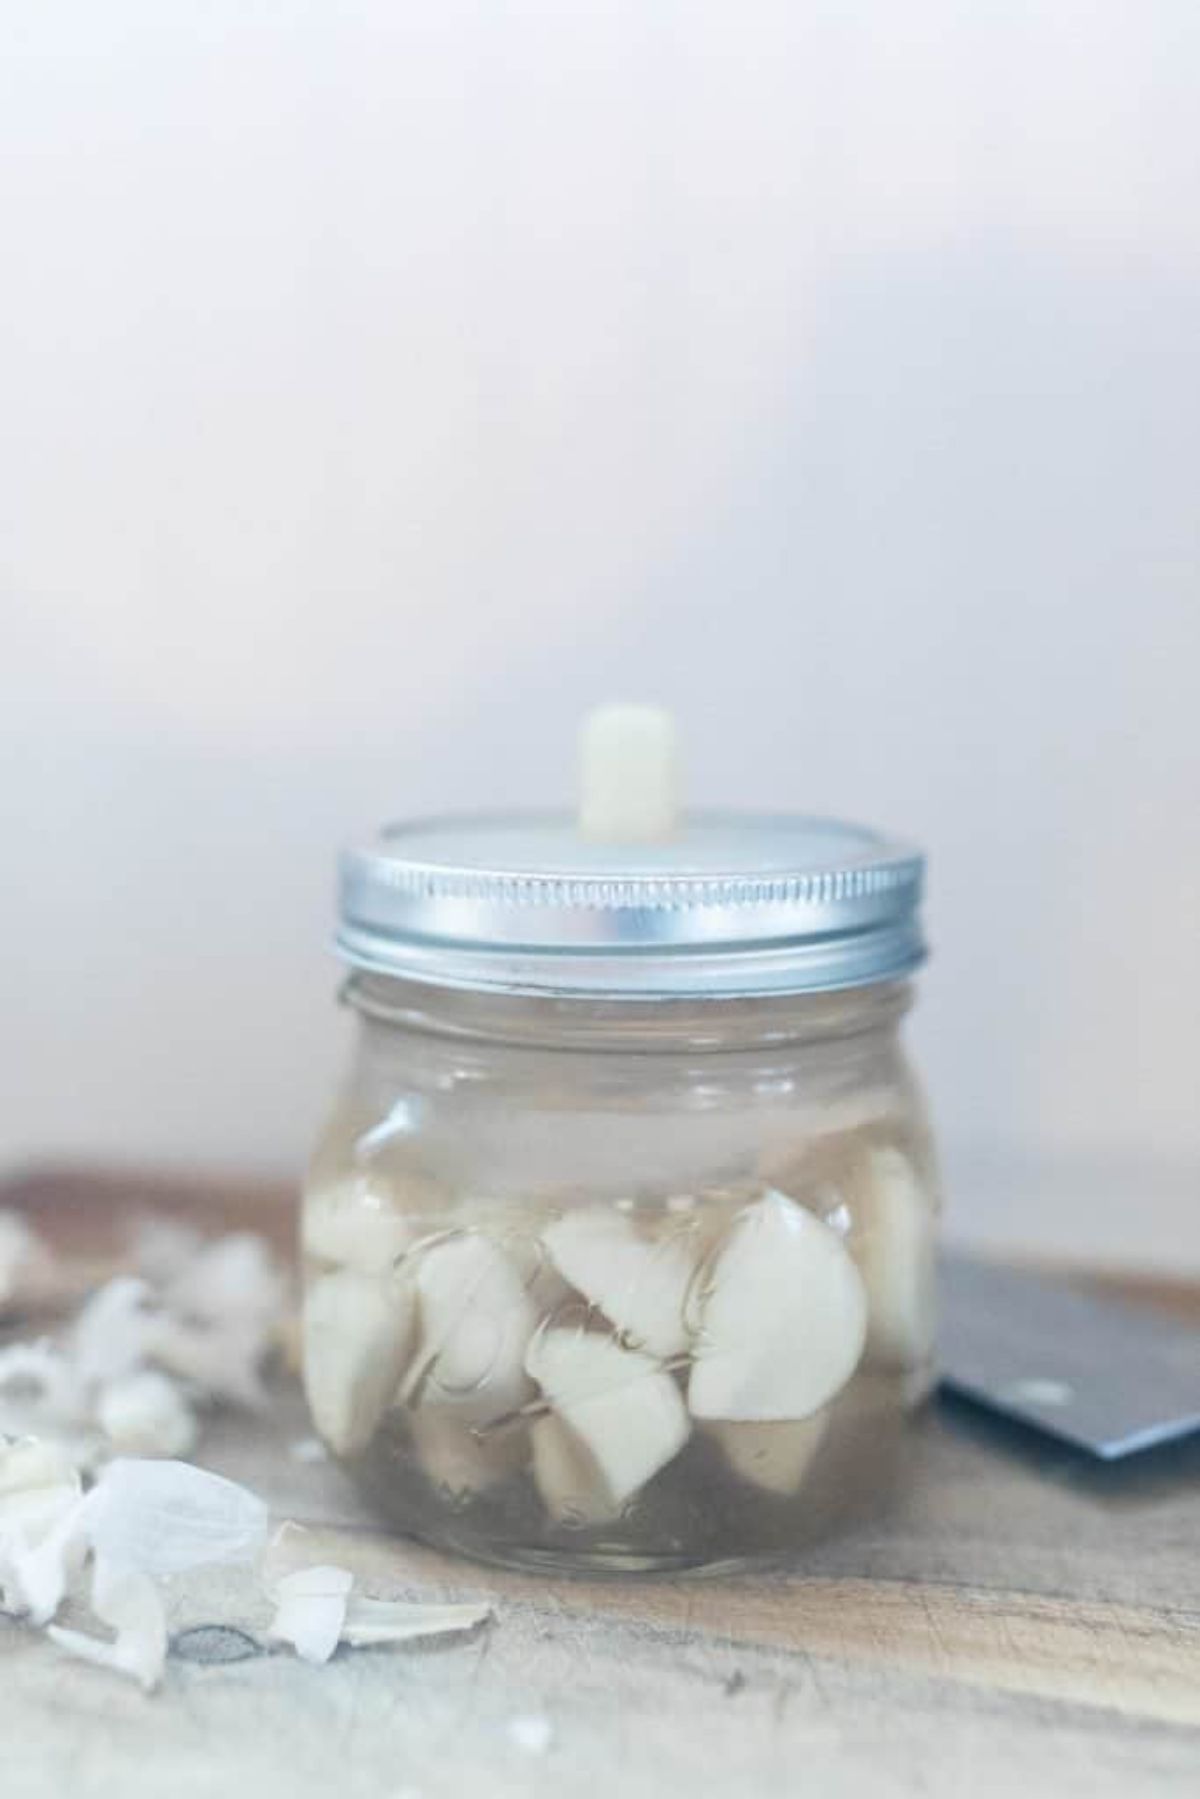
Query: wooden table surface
{"x": 1022, "y": 1623}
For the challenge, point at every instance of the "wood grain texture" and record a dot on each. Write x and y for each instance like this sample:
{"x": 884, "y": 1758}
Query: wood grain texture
{"x": 1020, "y": 1622}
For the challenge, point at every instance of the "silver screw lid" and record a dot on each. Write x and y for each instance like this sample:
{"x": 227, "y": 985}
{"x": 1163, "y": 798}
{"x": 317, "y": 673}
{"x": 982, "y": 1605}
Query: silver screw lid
{"x": 729, "y": 904}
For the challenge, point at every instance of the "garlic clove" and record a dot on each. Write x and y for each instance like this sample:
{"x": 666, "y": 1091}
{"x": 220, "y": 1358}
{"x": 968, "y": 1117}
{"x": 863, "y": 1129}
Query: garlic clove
{"x": 39, "y": 1484}
{"x": 784, "y": 1320}
{"x": 896, "y": 1256}
{"x": 568, "y": 1477}
{"x": 775, "y": 1457}
{"x": 640, "y": 1284}
{"x": 146, "y": 1414}
{"x": 356, "y": 1224}
{"x": 476, "y": 1322}
{"x": 358, "y": 1335}
{"x": 621, "y": 1405}
{"x": 457, "y": 1460}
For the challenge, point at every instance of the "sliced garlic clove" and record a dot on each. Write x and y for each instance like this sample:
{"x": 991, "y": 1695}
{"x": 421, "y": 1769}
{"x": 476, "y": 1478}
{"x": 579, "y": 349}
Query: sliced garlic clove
{"x": 640, "y": 1284}
{"x": 358, "y": 1335}
{"x": 784, "y": 1320}
{"x": 476, "y": 1322}
{"x": 619, "y": 1402}
{"x": 775, "y": 1457}
{"x": 456, "y": 1459}
{"x": 568, "y": 1476}
{"x": 896, "y": 1256}
{"x": 356, "y": 1224}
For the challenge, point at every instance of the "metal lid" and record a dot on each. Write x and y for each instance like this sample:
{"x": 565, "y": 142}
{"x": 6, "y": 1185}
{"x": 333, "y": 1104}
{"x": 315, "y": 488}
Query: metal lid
{"x": 731, "y": 904}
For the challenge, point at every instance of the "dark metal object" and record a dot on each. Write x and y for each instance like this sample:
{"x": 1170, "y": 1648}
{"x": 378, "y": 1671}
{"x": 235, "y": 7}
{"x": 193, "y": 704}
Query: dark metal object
{"x": 215, "y": 1643}
{"x": 1107, "y": 1377}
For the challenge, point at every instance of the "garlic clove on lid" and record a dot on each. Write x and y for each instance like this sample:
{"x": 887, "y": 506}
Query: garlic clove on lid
{"x": 775, "y": 1457}
{"x": 621, "y": 1405}
{"x": 640, "y": 1284}
{"x": 358, "y": 1335}
{"x": 784, "y": 1319}
{"x": 629, "y": 774}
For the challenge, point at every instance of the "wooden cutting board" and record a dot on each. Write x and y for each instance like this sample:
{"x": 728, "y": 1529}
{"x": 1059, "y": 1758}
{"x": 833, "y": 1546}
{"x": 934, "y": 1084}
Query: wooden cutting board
{"x": 1022, "y": 1623}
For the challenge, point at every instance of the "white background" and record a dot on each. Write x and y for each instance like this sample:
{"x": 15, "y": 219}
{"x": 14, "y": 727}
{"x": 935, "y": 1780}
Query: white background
{"x": 381, "y": 383}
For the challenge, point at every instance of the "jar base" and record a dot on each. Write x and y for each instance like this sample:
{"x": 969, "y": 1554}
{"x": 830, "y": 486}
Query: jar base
{"x": 594, "y": 1564}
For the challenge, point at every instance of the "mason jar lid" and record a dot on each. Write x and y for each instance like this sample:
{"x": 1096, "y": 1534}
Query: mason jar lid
{"x": 728, "y": 905}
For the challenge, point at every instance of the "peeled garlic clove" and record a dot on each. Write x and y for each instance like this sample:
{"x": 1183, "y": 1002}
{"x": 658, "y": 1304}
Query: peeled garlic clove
{"x": 775, "y": 1457}
{"x": 568, "y": 1477}
{"x": 785, "y": 1319}
{"x": 455, "y": 1458}
{"x": 146, "y": 1414}
{"x": 619, "y": 1402}
{"x": 358, "y": 1334}
{"x": 38, "y": 1485}
{"x": 896, "y": 1257}
{"x": 476, "y": 1322}
{"x": 355, "y": 1224}
{"x": 639, "y": 1284}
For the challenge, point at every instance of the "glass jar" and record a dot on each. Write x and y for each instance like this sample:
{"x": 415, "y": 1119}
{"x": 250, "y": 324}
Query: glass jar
{"x": 619, "y": 1243}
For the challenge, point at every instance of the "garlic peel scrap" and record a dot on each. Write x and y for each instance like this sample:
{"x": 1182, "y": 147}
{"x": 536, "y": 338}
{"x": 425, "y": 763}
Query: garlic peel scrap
{"x": 785, "y": 1319}
{"x": 316, "y": 1610}
{"x": 640, "y": 1285}
{"x": 128, "y": 1601}
{"x": 311, "y": 1610}
{"x": 375, "y": 1621}
{"x": 167, "y": 1517}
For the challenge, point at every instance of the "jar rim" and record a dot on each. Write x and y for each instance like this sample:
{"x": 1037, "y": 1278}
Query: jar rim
{"x": 732, "y": 905}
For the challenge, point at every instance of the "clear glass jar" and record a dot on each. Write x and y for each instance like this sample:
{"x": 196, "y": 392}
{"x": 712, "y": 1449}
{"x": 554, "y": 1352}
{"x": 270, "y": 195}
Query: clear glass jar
{"x": 604, "y": 1281}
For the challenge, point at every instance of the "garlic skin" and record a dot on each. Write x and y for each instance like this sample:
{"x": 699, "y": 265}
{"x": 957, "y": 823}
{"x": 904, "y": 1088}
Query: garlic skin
{"x": 568, "y": 1478}
{"x": 640, "y": 1285}
{"x": 896, "y": 1256}
{"x": 356, "y": 1224}
{"x": 457, "y": 1460}
{"x": 310, "y": 1611}
{"x": 476, "y": 1322}
{"x": 358, "y": 1335}
{"x": 620, "y": 1404}
{"x": 784, "y": 1321}
{"x": 775, "y": 1457}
